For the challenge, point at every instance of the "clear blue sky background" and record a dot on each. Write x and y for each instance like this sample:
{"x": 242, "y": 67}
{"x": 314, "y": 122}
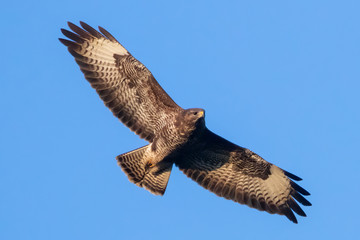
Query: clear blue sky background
{"x": 278, "y": 77}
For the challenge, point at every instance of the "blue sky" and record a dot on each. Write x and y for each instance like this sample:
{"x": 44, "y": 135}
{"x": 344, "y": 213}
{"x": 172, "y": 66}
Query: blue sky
{"x": 278, "y": 77}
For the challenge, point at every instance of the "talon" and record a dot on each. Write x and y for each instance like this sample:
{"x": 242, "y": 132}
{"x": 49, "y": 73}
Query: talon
{"x": 149, "y": 164}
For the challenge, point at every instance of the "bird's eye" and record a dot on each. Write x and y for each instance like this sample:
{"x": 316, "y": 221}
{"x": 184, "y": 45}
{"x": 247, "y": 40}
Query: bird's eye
{"x": 195, "y": 113}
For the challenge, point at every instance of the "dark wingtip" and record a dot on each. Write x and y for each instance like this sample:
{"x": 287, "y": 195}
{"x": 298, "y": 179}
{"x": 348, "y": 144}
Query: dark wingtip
{"x": 72, "y": 36}
{"x": 91, "y": 30}
{"x": 299, "y": 189}
{"x": 284, "y": 209}
{"x": 107, "y": 34}
{"x": 292, "y": 176}
{"x": 75, "y": 54}
{"x": 78, "y": 30}
{"x": 70, "y": 24}
{"x": 300, "y": 198}
{"x": 295, "y": 207}
{"x": 66, "y": 42}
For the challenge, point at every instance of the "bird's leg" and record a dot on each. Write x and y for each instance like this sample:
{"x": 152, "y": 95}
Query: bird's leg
{"x": 151, "y": 160}
{"x": 157, "y": 152}
{"x": 150, "y": 164}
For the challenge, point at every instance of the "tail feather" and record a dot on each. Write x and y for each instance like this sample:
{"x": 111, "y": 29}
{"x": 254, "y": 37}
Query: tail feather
{"x": 133, "y": 165}
{"x": 157, "y": 178}
{"x": 153, "y": 179}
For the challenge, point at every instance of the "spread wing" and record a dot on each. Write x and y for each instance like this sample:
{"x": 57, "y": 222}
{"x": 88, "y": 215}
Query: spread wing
{"x": 238, "y": 174}
{"x": 125, "y": 85}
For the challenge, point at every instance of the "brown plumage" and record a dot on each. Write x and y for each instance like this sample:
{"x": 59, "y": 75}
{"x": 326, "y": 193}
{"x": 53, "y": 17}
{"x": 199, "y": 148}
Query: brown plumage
{"x": 176, "y": 135}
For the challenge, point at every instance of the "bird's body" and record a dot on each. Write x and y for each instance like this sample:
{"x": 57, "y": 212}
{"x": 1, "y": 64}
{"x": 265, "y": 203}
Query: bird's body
{"x": 175, "y": 135}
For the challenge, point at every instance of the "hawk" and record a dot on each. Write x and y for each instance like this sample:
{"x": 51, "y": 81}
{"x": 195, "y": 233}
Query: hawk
{"x": 176, "y": 135}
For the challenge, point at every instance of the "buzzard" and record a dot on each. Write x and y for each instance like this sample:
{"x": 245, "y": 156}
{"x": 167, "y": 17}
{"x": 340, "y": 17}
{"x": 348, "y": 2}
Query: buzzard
{"x": 176, "y": 135}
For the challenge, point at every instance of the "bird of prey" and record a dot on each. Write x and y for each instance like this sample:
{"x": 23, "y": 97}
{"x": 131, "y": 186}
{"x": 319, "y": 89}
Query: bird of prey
{"x": 176, "y": 135}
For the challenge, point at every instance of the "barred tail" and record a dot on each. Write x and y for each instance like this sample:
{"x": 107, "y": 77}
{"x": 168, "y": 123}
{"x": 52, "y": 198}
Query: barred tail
{"x": 156, "y": 179}
{"x": 153, "y": 179}
{"x": 133, "y": 165}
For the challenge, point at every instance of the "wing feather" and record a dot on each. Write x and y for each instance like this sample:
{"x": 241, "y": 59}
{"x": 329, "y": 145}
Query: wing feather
{"x": 238, "y": 174}
{"x": 125, "y": 85}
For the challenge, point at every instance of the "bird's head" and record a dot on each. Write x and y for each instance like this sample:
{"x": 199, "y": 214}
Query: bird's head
{"x": 190, "y": 122}
{"x": 195, "y": 113}
{"x": 195, "y": 117}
